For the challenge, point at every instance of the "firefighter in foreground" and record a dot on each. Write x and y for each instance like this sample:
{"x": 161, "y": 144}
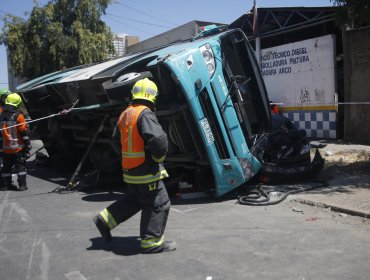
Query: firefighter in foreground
{"x": 143, "y": 145}
{"x": 16, "y": 142}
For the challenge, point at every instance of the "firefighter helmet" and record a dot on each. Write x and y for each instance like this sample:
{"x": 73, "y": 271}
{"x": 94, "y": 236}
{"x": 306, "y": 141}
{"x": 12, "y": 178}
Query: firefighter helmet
{"x": 145, "y": 89}
{"x": 13, "y": 99}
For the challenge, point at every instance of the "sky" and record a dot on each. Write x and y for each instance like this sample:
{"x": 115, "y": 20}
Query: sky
{"x": 149, "y": 18}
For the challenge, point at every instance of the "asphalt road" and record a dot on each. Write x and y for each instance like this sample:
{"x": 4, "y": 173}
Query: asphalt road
{"x": 48, "y": 235}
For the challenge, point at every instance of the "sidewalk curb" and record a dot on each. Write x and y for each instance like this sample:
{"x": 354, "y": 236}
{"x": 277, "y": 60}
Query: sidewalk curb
{"x": 334, "y": 208}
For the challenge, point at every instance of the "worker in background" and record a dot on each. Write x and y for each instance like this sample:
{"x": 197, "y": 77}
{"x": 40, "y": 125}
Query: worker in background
{"x": 3, "y": 94}
{"x": 16, "y": 142}
{"x": 142, "y": 143}
{"x": 274, "y": 108}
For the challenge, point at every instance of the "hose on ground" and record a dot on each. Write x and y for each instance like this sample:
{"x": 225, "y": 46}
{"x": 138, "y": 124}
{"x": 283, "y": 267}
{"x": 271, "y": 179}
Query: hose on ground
{"x": 263, "y": 195}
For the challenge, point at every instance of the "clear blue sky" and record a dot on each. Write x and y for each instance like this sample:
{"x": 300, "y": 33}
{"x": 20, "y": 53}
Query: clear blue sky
{"x": 148, "y": 18}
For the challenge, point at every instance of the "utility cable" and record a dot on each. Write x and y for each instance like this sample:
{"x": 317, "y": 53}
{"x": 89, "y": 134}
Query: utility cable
{"x": 138, "y": 29}
{"x": 8, "y": 13}
{"x": 63, "y": 112}
{"x": 143, "y": 22}
{"x": 143, "y": 13}
{"x": 322, "y": 104}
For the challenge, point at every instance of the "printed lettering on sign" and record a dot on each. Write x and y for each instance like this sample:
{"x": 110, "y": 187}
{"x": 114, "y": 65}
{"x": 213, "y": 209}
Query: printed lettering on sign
{"x": 279, "y": 62}
{"x": 300, "y": 73}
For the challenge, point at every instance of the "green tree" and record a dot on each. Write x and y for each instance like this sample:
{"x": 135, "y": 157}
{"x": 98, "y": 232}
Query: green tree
{"x": 59, "y": 35}
{"x": 354, "y": 13}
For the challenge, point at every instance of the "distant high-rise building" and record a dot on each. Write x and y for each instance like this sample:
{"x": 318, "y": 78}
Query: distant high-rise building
{"x": 122, "y": 41}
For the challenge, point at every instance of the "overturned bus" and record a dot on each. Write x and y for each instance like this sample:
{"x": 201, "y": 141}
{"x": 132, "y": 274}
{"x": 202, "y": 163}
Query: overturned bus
{"x": 212, "y": 104}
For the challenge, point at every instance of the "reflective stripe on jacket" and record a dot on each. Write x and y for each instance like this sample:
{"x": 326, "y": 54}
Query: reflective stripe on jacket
{"x": 132, "y": 144}
{"x": 12, "y": 139}
{"x": 145, "y": 179}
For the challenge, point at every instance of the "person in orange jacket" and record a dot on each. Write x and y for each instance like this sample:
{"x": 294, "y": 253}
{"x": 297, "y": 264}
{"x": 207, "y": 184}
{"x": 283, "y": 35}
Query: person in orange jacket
{"x": 141, "y": 142}
{"x": 3, "y": 95}
{"x": 16, "y": 142}
{"x": 274, "y": 108}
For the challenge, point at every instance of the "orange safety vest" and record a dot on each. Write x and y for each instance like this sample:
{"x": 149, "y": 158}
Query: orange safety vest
{"x": 132, "y": 143}
{"x": 12, "y": 139}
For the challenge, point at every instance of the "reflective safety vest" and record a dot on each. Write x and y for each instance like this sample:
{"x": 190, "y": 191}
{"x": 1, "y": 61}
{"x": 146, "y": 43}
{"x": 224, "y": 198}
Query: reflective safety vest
{"x": 132, "y": 143}
{"x": 12, "y": 139}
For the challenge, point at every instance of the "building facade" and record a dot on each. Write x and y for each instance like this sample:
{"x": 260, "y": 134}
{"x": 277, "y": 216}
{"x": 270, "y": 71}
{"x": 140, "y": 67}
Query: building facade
{"x": 122, "y": 41}
{"x": 300, "y": 53}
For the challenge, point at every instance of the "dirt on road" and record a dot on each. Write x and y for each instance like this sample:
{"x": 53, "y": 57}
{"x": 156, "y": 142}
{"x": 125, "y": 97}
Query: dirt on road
{"x": 349, "y": 161}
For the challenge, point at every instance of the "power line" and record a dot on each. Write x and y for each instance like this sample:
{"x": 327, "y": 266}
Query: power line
{"x": 143, "y": 22}
{"x": 130, "y": 26}
{"x": 7, "y": 13}
{"x": 143, "y": 13}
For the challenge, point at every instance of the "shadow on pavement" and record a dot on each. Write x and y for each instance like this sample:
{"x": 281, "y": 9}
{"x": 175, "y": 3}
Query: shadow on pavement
{"x": 341, "y": 178}
{"x": 50, "y": 174}
{"x": 124, "y": 246}
{"x": 102, "y": 196}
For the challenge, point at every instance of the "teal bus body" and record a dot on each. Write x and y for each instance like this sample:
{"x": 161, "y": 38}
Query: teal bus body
{"x": 219, "y": 81}
{"x": 229, "y": 173}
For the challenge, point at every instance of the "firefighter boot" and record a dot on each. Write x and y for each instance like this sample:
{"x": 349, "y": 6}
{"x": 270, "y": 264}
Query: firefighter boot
{"x": 22, "y": 182}
{"x": 103, "y": 228}
{"x": 6, "y": 183}
{"x": 167, "y": 247}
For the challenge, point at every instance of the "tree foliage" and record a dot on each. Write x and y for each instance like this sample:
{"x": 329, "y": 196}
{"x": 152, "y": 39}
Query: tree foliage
{"x": 59, "y": 35}
{"x": 354, "y": 13}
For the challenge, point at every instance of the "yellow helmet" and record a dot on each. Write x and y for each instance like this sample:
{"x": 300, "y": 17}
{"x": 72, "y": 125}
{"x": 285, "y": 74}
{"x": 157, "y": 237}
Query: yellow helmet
{"x": 145, "y": 89}
{"x": 13, "y": 99}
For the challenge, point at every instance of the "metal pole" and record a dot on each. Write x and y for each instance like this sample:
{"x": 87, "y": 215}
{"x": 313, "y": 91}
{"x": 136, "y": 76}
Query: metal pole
{"x": 71, "y": 183}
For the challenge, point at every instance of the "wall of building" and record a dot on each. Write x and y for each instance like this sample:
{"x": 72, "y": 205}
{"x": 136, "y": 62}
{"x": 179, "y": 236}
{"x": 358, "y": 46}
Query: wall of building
{"x": 356, "y": 44}
{"x": 132, "y": 40}
{"x": 183, "y": 32}
{"x": 300, "y": 76}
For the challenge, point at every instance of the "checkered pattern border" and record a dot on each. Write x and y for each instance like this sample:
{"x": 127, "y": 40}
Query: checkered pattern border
{"x": 318, "y": 124}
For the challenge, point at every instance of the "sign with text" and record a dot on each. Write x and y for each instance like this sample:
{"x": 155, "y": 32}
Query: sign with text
{"x": 300, "y": 73}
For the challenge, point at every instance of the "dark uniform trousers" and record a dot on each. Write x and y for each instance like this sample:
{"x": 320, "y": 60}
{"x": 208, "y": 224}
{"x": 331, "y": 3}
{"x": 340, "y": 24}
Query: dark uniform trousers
{"x": 18, "y": 160}
{"x": 155, "y": 204}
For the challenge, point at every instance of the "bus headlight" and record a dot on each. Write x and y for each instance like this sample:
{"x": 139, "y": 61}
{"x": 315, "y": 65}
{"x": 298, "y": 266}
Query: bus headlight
{"x": 208, "y": 57}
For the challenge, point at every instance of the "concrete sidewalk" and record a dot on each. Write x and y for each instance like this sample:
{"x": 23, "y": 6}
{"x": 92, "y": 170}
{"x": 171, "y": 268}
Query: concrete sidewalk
{"x": 347, "y": 171}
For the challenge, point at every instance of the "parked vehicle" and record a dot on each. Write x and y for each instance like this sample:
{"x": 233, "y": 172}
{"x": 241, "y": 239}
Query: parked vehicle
{"x": 212, "y": 103}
